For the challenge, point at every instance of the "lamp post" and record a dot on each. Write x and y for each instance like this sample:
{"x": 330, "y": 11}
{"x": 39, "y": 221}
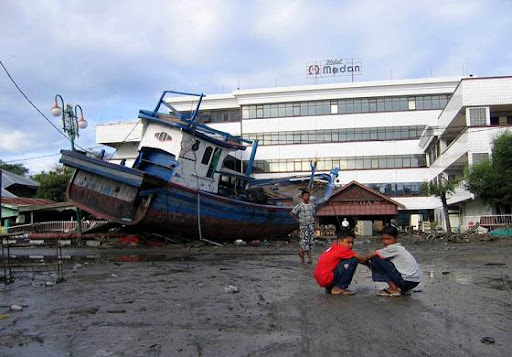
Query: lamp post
{"x": 71, "y": 126}
{"x": 70, "y": 122}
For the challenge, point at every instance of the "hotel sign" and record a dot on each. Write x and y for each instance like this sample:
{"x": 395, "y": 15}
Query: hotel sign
{"x": 334, "y": 67}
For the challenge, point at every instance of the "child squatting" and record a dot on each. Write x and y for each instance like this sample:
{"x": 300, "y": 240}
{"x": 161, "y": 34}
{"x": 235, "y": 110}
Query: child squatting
{"x": 392, "y": 264}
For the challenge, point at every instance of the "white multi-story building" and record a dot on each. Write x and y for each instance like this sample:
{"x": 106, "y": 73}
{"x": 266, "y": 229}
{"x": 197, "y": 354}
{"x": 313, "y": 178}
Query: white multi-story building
{"x": 389, "y": 135}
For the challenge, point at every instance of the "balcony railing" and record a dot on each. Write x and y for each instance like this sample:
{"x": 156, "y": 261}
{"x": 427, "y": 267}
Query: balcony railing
{"x": 52, "y": 227}
{"x": 488, "y": 221}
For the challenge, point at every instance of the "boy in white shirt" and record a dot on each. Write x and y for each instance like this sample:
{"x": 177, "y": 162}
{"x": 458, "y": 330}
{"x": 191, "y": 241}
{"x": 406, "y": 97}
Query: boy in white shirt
{"x": 394, "y": 265}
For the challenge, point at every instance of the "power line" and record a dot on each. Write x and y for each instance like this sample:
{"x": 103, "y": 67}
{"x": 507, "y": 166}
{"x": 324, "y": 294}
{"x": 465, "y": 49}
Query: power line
{"x": 33, "y": 105}
{"x": 124, "y": 140}
{"x": 31, "y": 158}
{"x": 43, "y": 156}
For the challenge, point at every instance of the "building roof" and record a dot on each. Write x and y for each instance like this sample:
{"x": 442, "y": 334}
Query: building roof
{"x": 369, "y": 189}
{"x": 355, "y": 199}
{"x": 324, "y": 91}
{"x": 10, "y": 179}
{"x": 6, "y": 193}
{"x": 23, "y": 201}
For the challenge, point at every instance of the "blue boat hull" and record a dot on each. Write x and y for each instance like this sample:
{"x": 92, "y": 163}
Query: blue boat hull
{"x": 130, "y": 197}
{"x": 176, "y": 209}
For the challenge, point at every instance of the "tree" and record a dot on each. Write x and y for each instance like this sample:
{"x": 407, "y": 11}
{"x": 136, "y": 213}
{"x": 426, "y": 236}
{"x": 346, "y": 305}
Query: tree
{"x": 52, "y": 184}
{"x": 17, "y": 169}
{"x": 491, "y": 179}
{"x": 442, "y": 190}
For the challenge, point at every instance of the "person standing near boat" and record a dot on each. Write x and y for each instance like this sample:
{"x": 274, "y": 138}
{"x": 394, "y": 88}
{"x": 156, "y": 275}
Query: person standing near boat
{"x": 305, "y": 212}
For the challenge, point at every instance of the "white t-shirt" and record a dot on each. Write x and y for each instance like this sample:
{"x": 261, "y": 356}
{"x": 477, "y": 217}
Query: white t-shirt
{"x": 403, "y": 261}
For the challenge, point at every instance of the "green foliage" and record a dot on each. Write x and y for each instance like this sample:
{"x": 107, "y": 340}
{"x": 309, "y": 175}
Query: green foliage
{"x": 444, "y": 188}
{"x": 492, "y": 179}
{"x": 502, "y": 151}
{"x": 17, "y": 169}
{"x": 53, "y": 183}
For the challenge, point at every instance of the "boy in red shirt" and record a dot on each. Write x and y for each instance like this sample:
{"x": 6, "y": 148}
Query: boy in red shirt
{"x": 337, "y": 265}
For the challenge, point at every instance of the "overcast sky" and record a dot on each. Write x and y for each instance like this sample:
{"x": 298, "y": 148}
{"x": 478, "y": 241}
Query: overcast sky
{"x": 115, "y": 57}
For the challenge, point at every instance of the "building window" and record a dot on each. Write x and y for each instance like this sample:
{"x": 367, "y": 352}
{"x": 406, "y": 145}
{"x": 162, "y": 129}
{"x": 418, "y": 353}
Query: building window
{"x": 411, "y": 103}
{"x": 345, "y": 106}
{"x": 397, "y": 188}
{"x": 220, "y": 116}
{"x": 334, "y": 108}
{"x": 477, "y": 116}
{"x": 337, "y": 135}
{"x": 479, "y": 157}
{"x": 344, "y": 163}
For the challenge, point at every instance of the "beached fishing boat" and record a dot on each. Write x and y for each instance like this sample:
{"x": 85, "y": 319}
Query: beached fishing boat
{"x": 179, "y": 183}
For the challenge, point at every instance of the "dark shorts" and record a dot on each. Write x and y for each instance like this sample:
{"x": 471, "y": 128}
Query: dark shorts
{"x": 384, "y": 271}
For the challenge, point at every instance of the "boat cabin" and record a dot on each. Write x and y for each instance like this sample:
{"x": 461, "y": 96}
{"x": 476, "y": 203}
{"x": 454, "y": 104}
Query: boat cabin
{"x": 176, "y": 148}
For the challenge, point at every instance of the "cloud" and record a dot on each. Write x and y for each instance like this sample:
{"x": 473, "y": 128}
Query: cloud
{"x": 116, "y": 57}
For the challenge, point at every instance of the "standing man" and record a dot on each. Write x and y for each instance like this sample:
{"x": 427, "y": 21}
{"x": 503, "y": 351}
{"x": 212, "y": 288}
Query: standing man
{"x": 305, "y": 212}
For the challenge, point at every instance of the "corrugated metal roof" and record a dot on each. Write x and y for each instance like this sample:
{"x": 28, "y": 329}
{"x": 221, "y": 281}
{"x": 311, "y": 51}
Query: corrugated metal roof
{"x": 9, "y": 179}
{"x": 22, "y": 201}
{"x": 6, "y": 193}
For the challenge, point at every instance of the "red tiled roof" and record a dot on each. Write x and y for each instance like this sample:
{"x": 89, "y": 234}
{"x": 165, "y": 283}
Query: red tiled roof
{"x": 23, "y": 201}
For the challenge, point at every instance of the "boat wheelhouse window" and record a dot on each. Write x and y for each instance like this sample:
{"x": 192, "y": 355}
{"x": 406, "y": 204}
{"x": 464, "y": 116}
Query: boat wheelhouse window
{"x": 206, "y": 156}
{"x": 213, "y": 164}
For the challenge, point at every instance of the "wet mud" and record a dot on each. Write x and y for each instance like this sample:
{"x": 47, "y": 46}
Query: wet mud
{"x": 176, "y": 302}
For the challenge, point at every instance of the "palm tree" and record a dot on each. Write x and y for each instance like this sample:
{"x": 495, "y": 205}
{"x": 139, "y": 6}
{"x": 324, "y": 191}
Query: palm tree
{"x": 441, "y": 189}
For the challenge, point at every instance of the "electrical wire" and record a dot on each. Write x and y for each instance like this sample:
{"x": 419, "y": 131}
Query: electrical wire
{"x": 33, "y": 105}
{"x": 124, "y": 140}
{"x": 45, "y": 156}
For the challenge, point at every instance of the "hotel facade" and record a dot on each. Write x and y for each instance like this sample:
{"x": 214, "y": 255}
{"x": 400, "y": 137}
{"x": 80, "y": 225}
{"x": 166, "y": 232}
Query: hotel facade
{"x": 388, "y": 135}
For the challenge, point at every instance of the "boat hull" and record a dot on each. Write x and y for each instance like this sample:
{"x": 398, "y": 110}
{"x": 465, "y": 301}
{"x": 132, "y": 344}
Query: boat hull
{"x": 177, "y": 210}
{"x": 130, "y": 197}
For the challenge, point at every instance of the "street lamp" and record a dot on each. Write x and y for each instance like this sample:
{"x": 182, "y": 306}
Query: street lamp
{"x": 71, "y": 125}
{"x": 70, "y": 122}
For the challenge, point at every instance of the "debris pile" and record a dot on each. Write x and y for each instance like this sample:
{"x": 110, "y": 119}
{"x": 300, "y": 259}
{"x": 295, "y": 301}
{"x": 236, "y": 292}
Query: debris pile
{"x": 454, "y": 237}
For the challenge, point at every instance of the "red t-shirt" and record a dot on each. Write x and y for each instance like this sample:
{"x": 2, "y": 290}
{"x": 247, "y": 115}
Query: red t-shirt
{"x": 324, "y": 270}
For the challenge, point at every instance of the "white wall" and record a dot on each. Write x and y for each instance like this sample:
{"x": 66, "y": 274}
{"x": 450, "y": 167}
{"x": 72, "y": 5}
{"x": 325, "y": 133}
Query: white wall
{"x": 362, "y": 148}
{"x": 234, "y": 128}
{"x": 340, "y": 121}
{"x": 118, "y": 132}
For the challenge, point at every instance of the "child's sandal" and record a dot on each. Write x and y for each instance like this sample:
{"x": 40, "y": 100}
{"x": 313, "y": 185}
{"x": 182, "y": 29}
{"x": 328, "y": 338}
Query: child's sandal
{"x": 386, "y": 292}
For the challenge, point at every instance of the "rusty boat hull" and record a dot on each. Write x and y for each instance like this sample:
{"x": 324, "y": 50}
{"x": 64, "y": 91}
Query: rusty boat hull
{"x": 133, "y": 198}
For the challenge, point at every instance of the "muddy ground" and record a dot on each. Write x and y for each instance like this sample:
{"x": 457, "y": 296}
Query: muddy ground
{"x": 172, "y": 302}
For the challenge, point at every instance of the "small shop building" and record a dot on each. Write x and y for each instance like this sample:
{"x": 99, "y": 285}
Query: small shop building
{"x": 365, "y": 209}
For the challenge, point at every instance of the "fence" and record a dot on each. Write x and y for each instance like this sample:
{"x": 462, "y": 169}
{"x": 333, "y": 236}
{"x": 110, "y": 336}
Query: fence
{"x": 489, "y": 221}
{"x": 52, "y": 226}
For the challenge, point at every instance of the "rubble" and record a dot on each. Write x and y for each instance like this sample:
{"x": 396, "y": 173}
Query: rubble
{"x": 231, "y": 289}
{"x": 467, "y": 237}
{"x": 255, "y": 243}
{"x": 488, "y": 340}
